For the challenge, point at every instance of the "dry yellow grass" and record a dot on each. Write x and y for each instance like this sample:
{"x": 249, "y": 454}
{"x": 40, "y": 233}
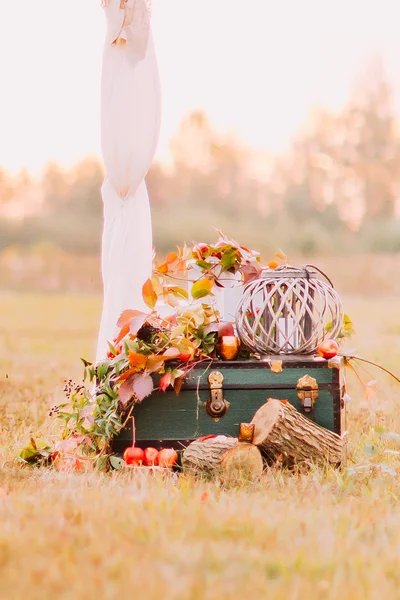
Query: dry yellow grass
{"x": 318, "y": 535}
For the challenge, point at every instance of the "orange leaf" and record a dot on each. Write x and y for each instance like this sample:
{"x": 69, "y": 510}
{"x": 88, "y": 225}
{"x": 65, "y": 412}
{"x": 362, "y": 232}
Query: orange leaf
{"x": 171, "y": 258}
{"x": 163, "y": 269}
{"x": 124, "y": 331}
{"x": 137, "y": 360}
{"x": 149, "y": 294}
{"x": 127, "y": 374}
{"x": 154, "y": 363}
{"x": 273, "y": 264}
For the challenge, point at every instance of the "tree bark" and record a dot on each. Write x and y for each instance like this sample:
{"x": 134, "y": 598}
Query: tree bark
{"x": 225, "y": 458}
{"x": 284, "y": 435}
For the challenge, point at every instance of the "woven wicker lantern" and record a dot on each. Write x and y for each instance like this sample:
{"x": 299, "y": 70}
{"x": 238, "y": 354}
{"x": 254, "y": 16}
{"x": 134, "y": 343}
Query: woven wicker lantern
{"x": 288, "y": 311}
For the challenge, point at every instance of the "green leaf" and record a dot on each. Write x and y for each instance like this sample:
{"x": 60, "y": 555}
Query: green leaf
{"x": 116, "y": 462}
{"x": 201, "y": 288}
{"x": 203, "y": 264}
{"x": 178, "y": 292}
{"x": 229, "y": 259}
{"x": 29, "y": 454}
{"x": 102, "y": 369}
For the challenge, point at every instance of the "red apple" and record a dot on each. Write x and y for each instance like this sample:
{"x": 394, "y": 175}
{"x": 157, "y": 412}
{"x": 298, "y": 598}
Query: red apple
{"x": 167, "y": 458}
{"x": 225, "y": 329}
{"x": 134, "y": 456}
{"x": 328, "y": 349}
{"x": 150, "y": 457}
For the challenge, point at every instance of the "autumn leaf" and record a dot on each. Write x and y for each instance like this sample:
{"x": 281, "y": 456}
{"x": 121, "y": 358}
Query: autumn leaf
{"x": 127, "y": 316}
{"x": 137, "y": 323}
{"x": 250, "y": 273}
{"x": 142, "y": 386}
{"x": 201, "y": 288}
{"x": 154, "y": 363}
{"x": 170, "y": 354}
{"x": 137, "y": 361}
{"x": 149, "y": 294}
{"x": 124, "y": 332}
{"x": 178, "y": 292}
{"x": 165, "y": 381}
{"x": 281, "y": 255}
{"x": 127, "y": 374}
{"x": 171, "y": 258}
{"x": 163, "y": 269}
{"x": 178, "y": 384}
{"x": 139, "y": 385}
{"x": 273, "y": 264}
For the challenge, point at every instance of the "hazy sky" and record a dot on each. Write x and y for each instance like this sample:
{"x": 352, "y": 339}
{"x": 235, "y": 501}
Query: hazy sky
{"x": 255, "y": 66}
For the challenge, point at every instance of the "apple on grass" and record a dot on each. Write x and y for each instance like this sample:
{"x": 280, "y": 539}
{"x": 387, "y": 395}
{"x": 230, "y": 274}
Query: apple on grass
{"x": 134, "y": 456}
{"x": 167, "y": 458}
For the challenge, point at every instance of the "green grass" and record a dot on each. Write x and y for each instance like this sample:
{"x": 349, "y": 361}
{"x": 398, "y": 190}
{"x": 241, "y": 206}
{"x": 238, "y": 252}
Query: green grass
{"x": 321, "y": 535}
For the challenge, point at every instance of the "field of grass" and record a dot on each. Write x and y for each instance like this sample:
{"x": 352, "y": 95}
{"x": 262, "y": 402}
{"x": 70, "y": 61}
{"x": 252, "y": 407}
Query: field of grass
{"x": 320, "y": 535}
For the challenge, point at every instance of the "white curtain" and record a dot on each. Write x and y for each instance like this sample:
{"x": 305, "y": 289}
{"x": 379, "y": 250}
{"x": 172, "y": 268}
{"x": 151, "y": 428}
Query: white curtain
{"x": 130, "y": 125}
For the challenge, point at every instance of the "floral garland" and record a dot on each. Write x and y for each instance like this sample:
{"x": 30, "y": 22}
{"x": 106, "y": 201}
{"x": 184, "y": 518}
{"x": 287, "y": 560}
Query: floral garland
{"x": 150, "y": 350}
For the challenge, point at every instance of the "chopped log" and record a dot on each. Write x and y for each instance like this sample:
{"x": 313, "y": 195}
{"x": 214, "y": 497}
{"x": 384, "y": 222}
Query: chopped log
{"x": 225, "y": 458}
{"x": 283, "y": 434}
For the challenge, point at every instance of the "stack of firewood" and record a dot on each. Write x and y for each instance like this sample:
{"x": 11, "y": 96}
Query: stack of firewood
{"x": 280, "y": 434}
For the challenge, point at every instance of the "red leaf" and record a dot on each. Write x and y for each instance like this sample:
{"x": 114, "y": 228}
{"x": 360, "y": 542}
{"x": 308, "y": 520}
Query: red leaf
{"x": 142, "y": 386}
{"x": 149, "y": 294}
{"x": 165, "y": 381}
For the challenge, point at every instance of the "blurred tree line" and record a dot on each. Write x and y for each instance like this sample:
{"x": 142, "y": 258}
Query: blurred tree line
{"x": 336, "y": 190}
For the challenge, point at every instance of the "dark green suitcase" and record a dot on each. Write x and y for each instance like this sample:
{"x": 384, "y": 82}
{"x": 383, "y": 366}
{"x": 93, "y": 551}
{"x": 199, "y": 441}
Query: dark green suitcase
{"x": 203, "y": 408}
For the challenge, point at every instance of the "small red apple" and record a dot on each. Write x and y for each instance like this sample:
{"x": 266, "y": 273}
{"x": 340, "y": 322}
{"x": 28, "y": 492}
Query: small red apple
{"x": 134, "y": 456}
{"x": 150, "y": 457}
{"x": 328, "y": 349}
{"x": 167, "y": 458}
{"x": 185, "y": 357}
{"x": 225, "y": 329}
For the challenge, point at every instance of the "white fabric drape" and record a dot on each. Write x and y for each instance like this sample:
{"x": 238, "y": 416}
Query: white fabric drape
{"x": 130, "y": 125}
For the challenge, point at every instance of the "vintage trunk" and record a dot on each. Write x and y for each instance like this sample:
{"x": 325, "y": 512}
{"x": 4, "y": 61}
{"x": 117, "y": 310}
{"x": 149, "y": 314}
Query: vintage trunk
{"x": 216, "y": 398}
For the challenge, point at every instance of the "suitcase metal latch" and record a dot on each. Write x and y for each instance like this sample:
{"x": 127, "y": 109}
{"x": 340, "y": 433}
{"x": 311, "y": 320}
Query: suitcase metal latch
{"x": 216, "y": 406}
{"x": 307, "y": 392}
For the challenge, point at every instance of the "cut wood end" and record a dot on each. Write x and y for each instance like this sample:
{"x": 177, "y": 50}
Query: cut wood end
{"x": 266, "y": 417}
{"x": 242, "y": 463}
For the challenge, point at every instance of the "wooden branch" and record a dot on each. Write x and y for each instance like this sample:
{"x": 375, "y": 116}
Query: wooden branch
{"x": 223, "y": 457}
{"x": 285, "y": 435}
